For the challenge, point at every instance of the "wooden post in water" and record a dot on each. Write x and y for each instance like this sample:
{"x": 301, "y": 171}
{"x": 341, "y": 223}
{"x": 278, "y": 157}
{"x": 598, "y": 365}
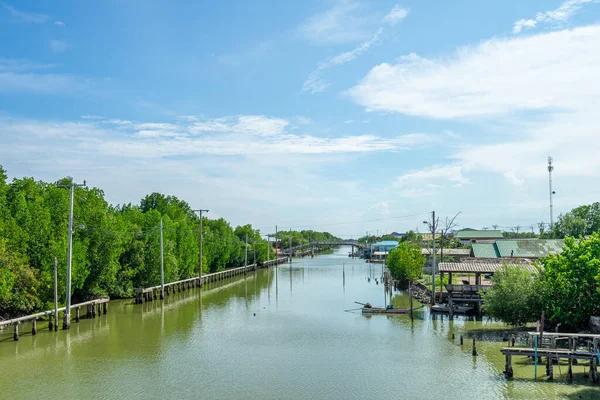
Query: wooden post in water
{"x": 461, "y": 340}
{"x": 474, "y": 349}
{"x": 77, "y": 314}
{"x": 50, "y": 322}
{"x": 16, "y": 331}
{"x": 34, "y": 326}
{"x": 508, "y": 369}
{"x": 105, "y": 307}
{"x": 412, "y": 317}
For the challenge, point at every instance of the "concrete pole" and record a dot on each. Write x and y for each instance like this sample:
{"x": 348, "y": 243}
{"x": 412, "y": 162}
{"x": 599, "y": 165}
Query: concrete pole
{"x": 276, "y": 246}
{"x": 254, "y": 248}
{"x": 200, "y": 245}
{"x": 268, "y": 248}
{"x": 433, "y": 268}
{"x": 55, "y": 296}
{"x": 246, "y": 259}
{"x": 67, "y": 319}
{"x": 290, "y": 246}
{"x": 162, "y": 264}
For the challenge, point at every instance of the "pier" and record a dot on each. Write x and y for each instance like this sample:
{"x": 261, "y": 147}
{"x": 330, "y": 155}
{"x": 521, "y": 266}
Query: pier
{"x": 547, "y": 348}
{"x": 93, "y": 308}
{"x": 143, "y": 295}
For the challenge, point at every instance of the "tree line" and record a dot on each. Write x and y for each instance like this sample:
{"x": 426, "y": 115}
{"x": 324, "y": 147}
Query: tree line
{"x": 115, "y": 248}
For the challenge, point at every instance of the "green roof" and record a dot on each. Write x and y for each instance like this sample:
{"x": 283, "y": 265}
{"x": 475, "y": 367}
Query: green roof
{"x": 526, "y": 248}
{"x": 485, "y": 250}
{"x": 466, "y": 235}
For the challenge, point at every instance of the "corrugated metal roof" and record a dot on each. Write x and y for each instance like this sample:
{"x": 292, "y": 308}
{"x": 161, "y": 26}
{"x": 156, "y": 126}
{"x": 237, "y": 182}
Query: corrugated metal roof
{"x": 485, "y": 268}
{"x": 489, "y": 234}
{"x": 518, "y": 248}
{"x": 485, "y": 250}
{"x": 450, "y": 252}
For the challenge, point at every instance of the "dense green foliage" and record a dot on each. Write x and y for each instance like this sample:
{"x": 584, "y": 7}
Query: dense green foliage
{"x": 581, "y": 221}
{"x": 513, "y": 297}
{"x": 406, "y": 262}
{"x": 567, "y": 289}
{"x": 115, "y": 248}
{"x": 570, "y": 283}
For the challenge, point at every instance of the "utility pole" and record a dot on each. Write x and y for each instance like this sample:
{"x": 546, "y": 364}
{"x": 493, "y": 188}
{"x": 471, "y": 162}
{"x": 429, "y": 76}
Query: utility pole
{"x": 254, "y": 250}
{"x": 55, "y": 294}
{"x": 290, "y": 246}
{"x": 268, "y": 248}
{"x": 550, "y": 169}
{"x": 276, "y": 255}
{"x": 67, "y": 318}
{"x": 162, "y": 264}
{"x": 200, "y": 245}
{"x": 432, "y": 227}
{"x": 246, "y": 260}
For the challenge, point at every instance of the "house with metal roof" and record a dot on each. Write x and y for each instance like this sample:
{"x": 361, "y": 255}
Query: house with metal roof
{"x": 473, "y": 236}
{"x": 517, "y": 248}
{"x": 382, "y": 248}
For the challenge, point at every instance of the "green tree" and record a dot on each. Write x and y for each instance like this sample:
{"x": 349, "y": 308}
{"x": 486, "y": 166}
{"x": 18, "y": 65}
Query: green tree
{"x": 513, "y": 297}
{"x": 406, "y": 262}
{"x": 580, "y": 221}
{"x": 571, "y": 283}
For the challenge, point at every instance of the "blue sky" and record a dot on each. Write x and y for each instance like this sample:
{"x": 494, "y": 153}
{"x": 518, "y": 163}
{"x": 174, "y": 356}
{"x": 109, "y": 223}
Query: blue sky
{"x": 342, "y": 115}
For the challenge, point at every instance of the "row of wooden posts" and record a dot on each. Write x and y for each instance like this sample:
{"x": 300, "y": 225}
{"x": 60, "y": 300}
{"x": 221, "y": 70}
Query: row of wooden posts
{"x": 553, "y": 354}
{"x": 143, "y": 295}
{"x": 93, "y": 308}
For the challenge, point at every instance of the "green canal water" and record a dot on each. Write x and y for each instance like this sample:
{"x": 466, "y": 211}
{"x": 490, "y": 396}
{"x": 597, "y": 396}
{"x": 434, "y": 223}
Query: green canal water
{"x": 280, "y": 333}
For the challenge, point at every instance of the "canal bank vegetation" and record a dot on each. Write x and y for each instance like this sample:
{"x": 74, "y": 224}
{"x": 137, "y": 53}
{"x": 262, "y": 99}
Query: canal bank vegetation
{"x": 566, "y": 289}
{"x": 115, "y": 248}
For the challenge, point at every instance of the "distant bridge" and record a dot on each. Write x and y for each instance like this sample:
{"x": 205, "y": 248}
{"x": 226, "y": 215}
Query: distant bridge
{"x": 320, "y": 243}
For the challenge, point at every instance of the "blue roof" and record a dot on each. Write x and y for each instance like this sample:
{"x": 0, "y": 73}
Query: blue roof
{"x": 386, "y": 243}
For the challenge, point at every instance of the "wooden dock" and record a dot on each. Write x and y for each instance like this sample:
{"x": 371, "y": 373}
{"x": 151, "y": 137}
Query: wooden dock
{"x": 547, "y": 348}
{"x": 153, "y": 293}
{"x": 93, "y": 308}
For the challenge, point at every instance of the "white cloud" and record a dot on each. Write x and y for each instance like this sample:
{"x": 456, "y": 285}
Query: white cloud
{"x": 19, "y": 75}
{"x": 59, "y": 23}
{"x": 58, "y": 46}
{"x": 451, "y": 173}
{"x": 314, "y": 83}
{"x": 247, "y": 124}
{"x": 562, "y": 14}
{"x": 342, "y": 23}
{"x": 23, "y": 16}
{"x": 396, "y": 14}
{"x": 548, "y": 71}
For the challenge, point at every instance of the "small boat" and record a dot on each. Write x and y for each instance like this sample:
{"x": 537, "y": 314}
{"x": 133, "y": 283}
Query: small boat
{"x": 368, "y": 309}
{"x": 455, "y": 310}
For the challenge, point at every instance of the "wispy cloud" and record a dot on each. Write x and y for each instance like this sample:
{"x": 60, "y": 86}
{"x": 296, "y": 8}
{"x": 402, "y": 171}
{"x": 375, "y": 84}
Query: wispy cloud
{"x": 560, "y": 15}
{"x": 342, "y": 23}
{"x": 23, "y": 16}
{"x": 58, "y": 46}
{"x": 396, "y": 14}
{"x": 59, "y": 23}
{"x": 315, "y": 83}
{"x": 23, "y": 75}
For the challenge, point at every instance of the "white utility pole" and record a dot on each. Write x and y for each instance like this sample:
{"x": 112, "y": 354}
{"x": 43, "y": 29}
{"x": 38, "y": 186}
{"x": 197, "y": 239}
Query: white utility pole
{"x": 290, "y": 246}
{"x": 550, "y": 169}
{"x": 276, "y": 247}
{"x": 162, "y": 264}
{"x": 246, "y": 260}
{"x": 200, "y": 245}
{"x": 55, "y": 294}
{"x": 67, "y": 318}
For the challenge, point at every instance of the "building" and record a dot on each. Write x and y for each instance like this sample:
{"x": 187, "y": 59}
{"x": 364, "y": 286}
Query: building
{"x": 381, "y": 249}
{"x": 468, "y": 236}
{"x": 397, "y": 235}
{"x": 517, "y": 248}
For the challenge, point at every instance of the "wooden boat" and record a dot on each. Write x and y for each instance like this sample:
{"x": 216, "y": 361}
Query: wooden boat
{"x": 455, "y": 310}
{"x": 388, "y": 310}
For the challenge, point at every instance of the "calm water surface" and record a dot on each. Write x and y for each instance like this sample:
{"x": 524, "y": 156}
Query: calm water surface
{"x": 280, "y": 333}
